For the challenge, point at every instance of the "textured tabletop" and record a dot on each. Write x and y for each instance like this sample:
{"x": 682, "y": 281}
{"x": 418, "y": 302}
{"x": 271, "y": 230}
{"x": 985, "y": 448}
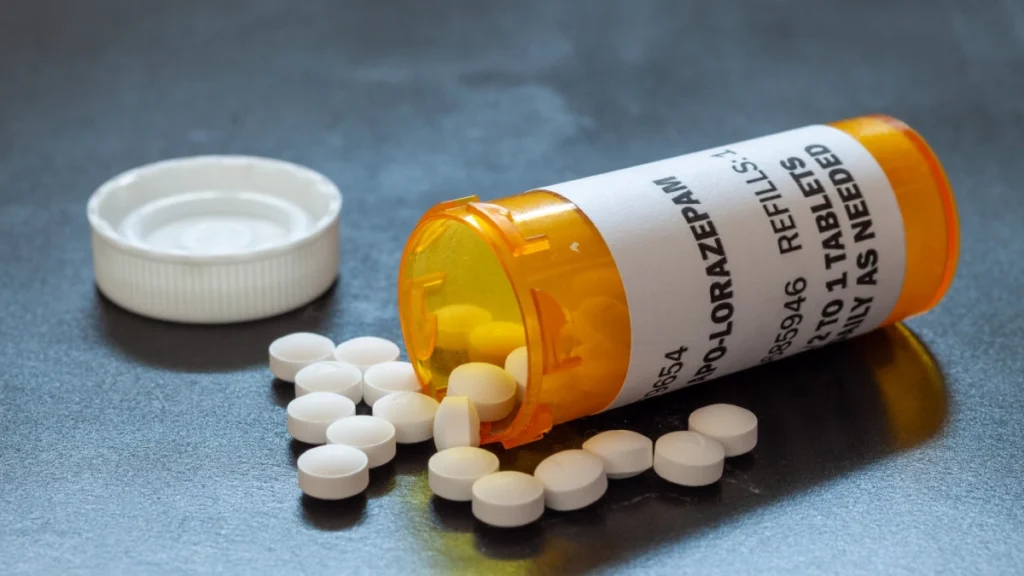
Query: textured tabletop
{"x": 134, "y": 446}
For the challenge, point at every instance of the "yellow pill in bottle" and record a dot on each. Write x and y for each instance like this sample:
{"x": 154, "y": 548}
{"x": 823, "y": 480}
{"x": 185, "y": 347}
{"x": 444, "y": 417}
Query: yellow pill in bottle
{"x": 634, "y": 283}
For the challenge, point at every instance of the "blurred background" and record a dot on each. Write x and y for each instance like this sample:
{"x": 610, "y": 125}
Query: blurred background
{"x": 134, "y": 446}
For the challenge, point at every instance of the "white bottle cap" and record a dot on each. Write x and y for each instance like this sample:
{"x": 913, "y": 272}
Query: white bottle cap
{"x": 215, "y": 239}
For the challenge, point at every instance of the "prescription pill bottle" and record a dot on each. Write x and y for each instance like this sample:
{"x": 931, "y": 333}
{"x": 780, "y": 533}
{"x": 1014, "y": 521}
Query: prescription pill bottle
{"x": 631, "y": 284}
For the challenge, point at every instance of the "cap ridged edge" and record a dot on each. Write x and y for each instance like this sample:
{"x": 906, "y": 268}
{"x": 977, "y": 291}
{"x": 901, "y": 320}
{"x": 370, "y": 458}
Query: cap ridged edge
{"x": 211, "y": 293}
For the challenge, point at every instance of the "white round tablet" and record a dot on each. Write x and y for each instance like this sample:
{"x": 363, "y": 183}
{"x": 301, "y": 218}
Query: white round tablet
{"x": 491, "y": 389}
{"x": 735, "y": 428}
{"x": 330, "y": 376}
{"x": 388, "y": 377}
{"x": 517, "y": 364}
{"x": 333, "y": 472}
{"x": 291, "y": 353}
{"x": 623, "y": 452}
{"x": 374, "y": 436}
{"x": 688, "y": 458}
{"x": 455, "y": 322}
{"x": 572, "y": 479}
{"x": 411, "y": 413}
{"x": 456, "y": 423}
{"x": 508, "y": 499}
{"x": 494, "y": 341}
{"x": 452, "y": 472}
{"x": 310, "y": 415}
{"x": 365, "y": 351}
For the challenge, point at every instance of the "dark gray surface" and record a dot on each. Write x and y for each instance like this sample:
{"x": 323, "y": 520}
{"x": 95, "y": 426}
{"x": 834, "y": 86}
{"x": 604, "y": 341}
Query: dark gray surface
{"x": 134, "y": 446}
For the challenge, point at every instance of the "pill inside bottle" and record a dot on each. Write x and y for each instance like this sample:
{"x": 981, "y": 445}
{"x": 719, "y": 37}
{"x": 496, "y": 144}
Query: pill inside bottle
{"x": 820, "y": 234}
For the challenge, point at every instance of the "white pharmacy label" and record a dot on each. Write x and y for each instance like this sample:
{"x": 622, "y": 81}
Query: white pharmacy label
{"x": 747, "y": 253}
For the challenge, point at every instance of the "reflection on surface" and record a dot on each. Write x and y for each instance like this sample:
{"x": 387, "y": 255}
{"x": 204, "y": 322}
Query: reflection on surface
{"x": 206, "y": 348}
{"x": 822, "y": 415}
{"x": 913, "y": 392}
{"x": 333, "y": 516}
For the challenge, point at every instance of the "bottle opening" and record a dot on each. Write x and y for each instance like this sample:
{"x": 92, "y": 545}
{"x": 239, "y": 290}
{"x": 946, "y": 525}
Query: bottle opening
{"x": 481, "y": 280}
{"x": 457, "y": 305}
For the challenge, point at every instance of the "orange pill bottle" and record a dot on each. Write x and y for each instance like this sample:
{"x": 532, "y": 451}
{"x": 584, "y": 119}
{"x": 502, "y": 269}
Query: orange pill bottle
{"x": 631, "y": 284}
